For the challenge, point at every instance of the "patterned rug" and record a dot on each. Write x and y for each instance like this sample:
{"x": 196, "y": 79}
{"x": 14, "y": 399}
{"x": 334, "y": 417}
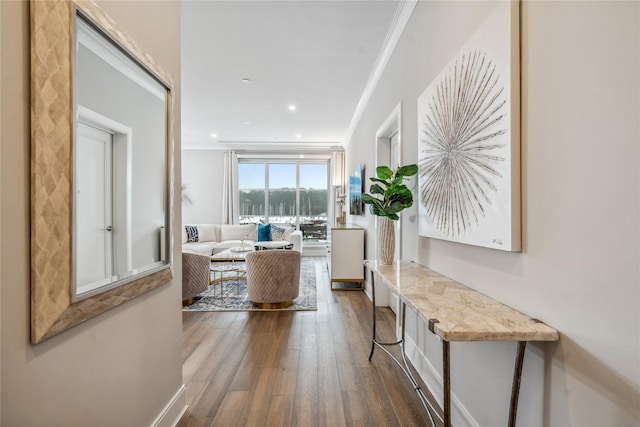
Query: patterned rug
{"x": 234, "y": 297}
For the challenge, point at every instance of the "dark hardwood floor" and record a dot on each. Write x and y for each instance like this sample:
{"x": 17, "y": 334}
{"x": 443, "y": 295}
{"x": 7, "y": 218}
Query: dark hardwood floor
{"x": 295, "y": 368}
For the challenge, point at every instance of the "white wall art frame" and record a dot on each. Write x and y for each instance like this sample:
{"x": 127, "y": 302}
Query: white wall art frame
{"x": 469, "y": 140}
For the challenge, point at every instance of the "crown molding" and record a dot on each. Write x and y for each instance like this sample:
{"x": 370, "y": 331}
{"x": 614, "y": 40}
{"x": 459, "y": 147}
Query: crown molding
{"x": 399, "y": 23}
{"x": 265, "y": 146}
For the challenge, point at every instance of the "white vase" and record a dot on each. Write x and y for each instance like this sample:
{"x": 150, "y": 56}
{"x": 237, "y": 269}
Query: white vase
{"x": 386, "y": 240}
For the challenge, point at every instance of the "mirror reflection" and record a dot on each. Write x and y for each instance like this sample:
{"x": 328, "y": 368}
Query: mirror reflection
{"x": 119, "y": 166}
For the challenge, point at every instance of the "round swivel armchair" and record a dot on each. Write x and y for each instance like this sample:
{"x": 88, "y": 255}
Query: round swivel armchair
{"x": 195, "y": 275}
{"x": 273, "y": 277}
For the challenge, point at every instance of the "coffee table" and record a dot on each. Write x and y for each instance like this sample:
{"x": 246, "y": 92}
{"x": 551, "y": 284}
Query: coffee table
{"x": 230, "y": 255}
{"x": 263, "y": 246}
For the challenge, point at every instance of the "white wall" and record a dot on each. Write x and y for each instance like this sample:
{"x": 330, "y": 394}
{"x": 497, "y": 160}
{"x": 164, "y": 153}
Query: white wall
{"x": 202, "y": 177}
{"x": 579, "y": 267}
{"x": 120, "y": 368}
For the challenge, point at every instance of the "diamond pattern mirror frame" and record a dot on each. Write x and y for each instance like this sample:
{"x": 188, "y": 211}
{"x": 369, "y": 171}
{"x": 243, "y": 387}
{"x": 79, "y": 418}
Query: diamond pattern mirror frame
{"x": 52, "y": 310}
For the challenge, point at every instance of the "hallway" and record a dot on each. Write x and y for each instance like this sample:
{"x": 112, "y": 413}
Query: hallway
{"x": 295, "y": 368}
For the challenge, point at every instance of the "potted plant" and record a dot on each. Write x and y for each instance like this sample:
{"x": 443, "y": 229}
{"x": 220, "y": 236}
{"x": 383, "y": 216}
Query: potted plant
{"x": 388, "y": 197}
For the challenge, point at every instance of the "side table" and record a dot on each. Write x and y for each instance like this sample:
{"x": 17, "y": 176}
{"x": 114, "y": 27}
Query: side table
{"x": 221, "y": 269}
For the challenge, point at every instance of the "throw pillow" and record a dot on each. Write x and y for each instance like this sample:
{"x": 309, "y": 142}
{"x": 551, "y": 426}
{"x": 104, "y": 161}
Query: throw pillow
{"x": 192, "y": 233}
{"x": 238, "y": 232}
{"x": 287, "y": 232}
{"x": 206, "y": 233}
{"x": 277, "y": 232}
{"x": 264, "y": 232}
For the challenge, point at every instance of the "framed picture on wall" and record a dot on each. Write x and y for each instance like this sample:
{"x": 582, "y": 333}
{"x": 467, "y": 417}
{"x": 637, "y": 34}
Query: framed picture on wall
{"x": 355, "y": 191}
{"x": 469, "y": 140}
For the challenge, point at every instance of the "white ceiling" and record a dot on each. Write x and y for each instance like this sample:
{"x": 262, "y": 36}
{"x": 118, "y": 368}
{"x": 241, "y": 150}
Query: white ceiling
{"x": 316, "y": 55}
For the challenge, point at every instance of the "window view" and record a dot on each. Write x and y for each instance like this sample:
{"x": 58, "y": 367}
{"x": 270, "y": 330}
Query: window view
{"x": 282, "y": 194}
{"x": 313, "y": 201}
{"x": 251, "y": 183}
{"x": 294, "y": 193}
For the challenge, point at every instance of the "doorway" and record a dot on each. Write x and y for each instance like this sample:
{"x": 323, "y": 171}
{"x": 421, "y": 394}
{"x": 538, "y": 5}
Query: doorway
{"x": 94, "y": 208}
{"x": 389, "y": 153}
{"x": 102, "y": 205}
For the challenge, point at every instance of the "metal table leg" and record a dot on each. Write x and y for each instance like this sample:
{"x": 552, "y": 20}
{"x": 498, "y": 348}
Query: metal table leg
{"x": 373, "y": 299}
{"x": 515, "y": 388}
{"x": 404, "y": 365}
{"x": 446, "y": 379}
{"x": 374, "y": 340}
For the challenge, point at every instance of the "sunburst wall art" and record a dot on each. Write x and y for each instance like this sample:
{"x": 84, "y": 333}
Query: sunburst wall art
{"x": 469, "y": 140}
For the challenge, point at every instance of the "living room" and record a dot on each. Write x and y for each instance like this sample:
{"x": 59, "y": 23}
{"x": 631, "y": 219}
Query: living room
{"x": 577, "y": 270}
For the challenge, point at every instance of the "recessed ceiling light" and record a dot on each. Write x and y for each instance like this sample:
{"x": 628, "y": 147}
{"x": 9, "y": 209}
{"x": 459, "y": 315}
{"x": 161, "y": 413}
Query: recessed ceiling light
{"x": 298, "y": 135}
{"x": 292, "y": 107}
{"x": 214, "y": 135}
{"x": 246, "y": 80}
{"x": 246, "y": 123}
{"x": 302, "y": 156}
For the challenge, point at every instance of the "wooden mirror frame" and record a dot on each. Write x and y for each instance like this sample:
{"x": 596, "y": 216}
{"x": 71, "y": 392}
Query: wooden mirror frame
{"x": 52, "y": 310}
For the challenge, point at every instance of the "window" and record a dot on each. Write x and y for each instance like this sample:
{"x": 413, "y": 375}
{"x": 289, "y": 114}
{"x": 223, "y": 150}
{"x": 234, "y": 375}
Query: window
{"x": 285, "y": 192}
{"x": 313, "y": 201}
{"x": 252, "y": 197}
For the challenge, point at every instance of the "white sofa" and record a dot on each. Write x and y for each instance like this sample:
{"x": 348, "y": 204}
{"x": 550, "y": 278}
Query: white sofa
{"x": 214, "y": 238}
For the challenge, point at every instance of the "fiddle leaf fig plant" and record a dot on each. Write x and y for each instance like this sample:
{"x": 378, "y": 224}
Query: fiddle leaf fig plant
{"x": 389, "y": 185}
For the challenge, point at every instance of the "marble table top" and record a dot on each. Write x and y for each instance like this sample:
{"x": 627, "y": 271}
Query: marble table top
{"x": 462, "y": 313}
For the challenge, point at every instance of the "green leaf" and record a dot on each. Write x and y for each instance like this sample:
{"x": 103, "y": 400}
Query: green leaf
{"x": 376, "y": 210}
{"x": 384, "y": 172}
{"x": 399, "y": 205}
{"x": 382, "y": 181}
{"x": 403, "y": 191}
{"x": 408, "y": 170}
{"x": 376, "y": 189}
{"x": 397, "y": 180}
{"x": 368, "y": 199}
{"x": 398, "y": 193}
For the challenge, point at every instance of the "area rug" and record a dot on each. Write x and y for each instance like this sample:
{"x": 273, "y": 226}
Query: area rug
{"x": 235, "y": 297}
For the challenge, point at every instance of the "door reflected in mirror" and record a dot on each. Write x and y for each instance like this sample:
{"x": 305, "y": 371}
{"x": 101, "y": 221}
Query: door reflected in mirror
{"x": 119, "y": 165}
{"x": 101, "y": 167}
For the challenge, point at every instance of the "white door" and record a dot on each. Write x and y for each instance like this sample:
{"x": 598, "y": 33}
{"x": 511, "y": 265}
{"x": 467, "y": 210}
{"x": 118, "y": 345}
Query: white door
{"x": 93, "y": 208}
{"x": 394, "y": 162}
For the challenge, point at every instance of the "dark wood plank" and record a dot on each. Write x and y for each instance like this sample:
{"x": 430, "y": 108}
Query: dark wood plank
{"x": 305, "y": 411}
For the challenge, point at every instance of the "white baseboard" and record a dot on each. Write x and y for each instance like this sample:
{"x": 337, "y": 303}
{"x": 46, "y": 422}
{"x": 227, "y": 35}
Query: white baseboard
{"x": 175, "y": 409}
{"x": 460, "y": 417}
{"x": 367, "y": 288}
{"x": 382, "y": 294}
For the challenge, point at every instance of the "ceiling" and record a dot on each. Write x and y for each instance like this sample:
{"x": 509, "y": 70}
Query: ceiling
{"x": 315, "y": 55}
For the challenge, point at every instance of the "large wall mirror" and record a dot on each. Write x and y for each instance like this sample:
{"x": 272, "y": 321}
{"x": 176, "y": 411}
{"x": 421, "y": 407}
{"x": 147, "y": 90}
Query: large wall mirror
{"x": 101, "y": 167}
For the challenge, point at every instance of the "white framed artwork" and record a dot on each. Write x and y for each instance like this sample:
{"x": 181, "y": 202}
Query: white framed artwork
{"x": 469, "y": 140}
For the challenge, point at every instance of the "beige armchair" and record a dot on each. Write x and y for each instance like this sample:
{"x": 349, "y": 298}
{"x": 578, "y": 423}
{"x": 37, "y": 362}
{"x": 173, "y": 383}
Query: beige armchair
{"x": 273, "y": 277}
{"x": 195, "y": 275}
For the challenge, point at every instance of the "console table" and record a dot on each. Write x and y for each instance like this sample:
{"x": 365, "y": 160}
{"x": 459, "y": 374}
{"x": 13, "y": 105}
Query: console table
{"x": 454, "y": 312}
